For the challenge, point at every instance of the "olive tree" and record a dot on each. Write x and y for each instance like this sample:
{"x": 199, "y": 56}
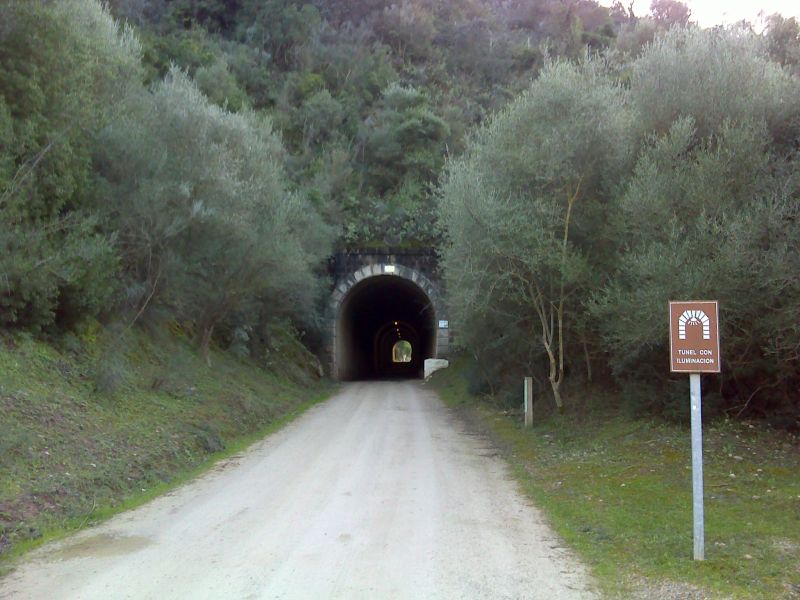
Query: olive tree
{"x": 206, "y": 225}
{"x": 64, "y": 66}
{"x": 525, "y": 215}
{"x": 714, "y": 76}
{"x": 710, "y": 211}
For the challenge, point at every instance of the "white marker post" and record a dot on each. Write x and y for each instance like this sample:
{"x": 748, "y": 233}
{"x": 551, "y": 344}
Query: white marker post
{"x": 694, "y": 349}
{"x": 528, "y": 401}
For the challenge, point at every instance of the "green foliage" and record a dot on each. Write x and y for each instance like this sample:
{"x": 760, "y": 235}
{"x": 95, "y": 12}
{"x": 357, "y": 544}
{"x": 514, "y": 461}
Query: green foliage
{"x": 783, "y": 41}
{"x": 715, "y": 196}
{"x": 400, "y": 150}
{"x": 205, "y": 223}
{"x": 685, "y": 192}
{"x": 409, "y": 29}
{"x": 319, "y": 118}
{"x": 191, "y": 49}
{"x": 220, "y": 86}
{"x": 323, "y": 69}
{"x": 504, "y": 207}
{"x": 214, "y": 15}
{"x": 670, "y": 13}
{"x": 727, "y": 61}
{"x": 6, "y": 145}
{"x": 99, "y": 175}
{"x": 403, "y": 140}
{"x": 277, "y": 26}
{"x": 634, "y": 37}
{"x": 63, "y": 68}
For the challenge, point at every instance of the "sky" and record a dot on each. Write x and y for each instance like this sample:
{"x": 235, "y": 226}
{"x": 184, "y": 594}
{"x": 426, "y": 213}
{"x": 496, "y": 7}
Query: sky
{"x": 724, "y": 12}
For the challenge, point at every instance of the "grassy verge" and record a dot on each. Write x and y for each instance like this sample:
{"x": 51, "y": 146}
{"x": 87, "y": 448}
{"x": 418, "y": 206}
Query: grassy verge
{"x": 619, "y": 492}
{"x": 104, "y": 425}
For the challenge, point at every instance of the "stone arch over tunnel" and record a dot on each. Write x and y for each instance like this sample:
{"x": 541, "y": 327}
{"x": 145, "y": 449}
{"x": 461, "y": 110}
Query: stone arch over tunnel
{"x": 374, "y": 308}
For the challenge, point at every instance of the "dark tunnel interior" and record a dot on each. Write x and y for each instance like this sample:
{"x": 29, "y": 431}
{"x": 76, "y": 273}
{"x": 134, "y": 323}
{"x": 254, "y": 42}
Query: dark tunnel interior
{"x": 377, "y": 313}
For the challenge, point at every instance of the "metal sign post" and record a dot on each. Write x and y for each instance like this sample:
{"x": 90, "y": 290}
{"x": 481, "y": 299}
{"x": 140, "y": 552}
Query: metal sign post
{"x": 697, "y": 466}
{"x": 694, "y": 349}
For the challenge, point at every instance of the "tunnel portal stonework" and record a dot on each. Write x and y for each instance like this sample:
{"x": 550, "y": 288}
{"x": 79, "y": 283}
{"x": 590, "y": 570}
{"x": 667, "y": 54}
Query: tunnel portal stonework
{"x": 352, "y": 269}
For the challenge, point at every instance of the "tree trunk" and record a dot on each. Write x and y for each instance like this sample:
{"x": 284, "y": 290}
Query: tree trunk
{"x": 555, "y": 377}
{"x": 555, "y": 385}
{"x": 205, "y": 342}
{"x": 588, "y": 362}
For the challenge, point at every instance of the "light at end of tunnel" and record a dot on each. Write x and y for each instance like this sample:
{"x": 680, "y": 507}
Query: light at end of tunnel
{"x": 388, "y": 268}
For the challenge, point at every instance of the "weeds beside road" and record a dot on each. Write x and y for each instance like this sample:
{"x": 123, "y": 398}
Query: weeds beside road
{"x": 618, "y": 490}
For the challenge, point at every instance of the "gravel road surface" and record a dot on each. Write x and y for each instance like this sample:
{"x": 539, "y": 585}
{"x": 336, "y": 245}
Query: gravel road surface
{"x": 377, "y": 493}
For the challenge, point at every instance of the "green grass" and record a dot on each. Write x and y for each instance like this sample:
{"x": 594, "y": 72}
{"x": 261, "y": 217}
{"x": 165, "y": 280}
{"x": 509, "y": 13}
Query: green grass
{"x": 103, "y": 425}
{"x": 619, "y": 492}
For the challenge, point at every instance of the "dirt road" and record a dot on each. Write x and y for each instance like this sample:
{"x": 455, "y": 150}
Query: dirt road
{"x": 377, "y": 493}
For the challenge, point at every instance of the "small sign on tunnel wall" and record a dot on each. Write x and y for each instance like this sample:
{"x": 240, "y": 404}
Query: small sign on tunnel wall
{"x": 444, "y": 324}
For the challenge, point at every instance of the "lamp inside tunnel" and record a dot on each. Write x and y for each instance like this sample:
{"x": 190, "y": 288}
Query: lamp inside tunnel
{"x": 377, "y": 313}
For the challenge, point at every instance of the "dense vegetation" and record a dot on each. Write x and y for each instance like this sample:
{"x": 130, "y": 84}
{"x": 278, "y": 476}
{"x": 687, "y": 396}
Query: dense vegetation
{"x": 122, "y": 199}
{"x": 607, "y": 189}
{"x": 370, "y": 97}
{"x": 196, "y": 161}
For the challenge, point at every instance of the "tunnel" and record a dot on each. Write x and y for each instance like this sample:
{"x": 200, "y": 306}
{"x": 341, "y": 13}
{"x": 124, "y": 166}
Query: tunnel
{"x": 376, "y": 314}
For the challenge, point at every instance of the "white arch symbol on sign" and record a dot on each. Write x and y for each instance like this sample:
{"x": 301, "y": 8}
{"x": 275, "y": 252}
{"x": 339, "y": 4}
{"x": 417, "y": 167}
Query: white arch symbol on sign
{"x": 694, "y": 317}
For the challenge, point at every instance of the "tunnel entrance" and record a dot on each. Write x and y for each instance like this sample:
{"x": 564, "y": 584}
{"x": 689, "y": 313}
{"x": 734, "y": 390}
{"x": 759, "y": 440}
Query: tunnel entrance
{"x": 376, "y": 314}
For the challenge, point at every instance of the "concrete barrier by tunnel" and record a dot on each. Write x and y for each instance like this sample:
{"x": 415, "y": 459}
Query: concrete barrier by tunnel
{"x": 373, "y": 309}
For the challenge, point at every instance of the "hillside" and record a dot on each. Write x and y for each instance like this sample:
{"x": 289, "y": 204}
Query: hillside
{"x": 370, "y": 97}
{"x": 101, "y": 423}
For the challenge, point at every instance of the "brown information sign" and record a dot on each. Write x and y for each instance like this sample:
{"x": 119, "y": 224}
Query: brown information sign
{"x": 694, "y": 337}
